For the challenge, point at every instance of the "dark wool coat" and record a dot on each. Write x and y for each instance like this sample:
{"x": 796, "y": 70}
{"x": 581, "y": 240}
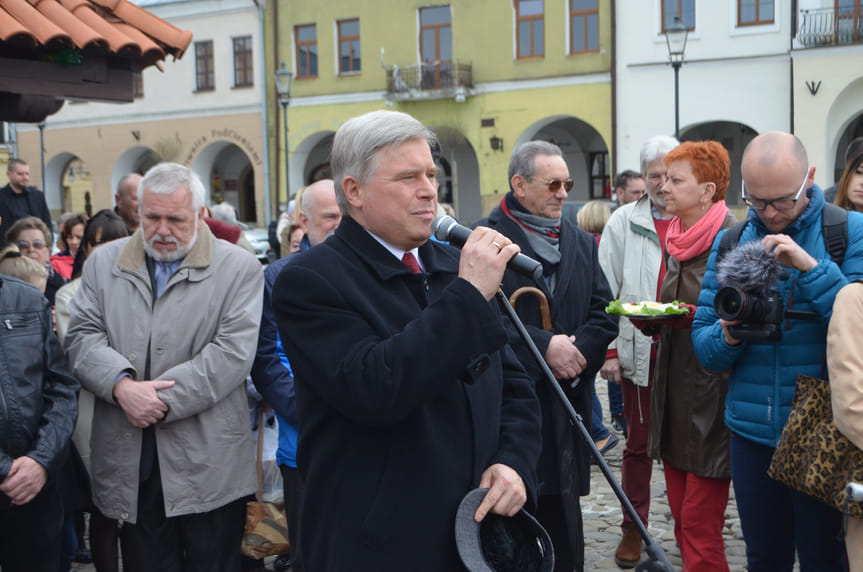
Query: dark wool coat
{"x": 577, "y": 308}
{"x": 14, "y": 207}
{"x": 406, "y": 393}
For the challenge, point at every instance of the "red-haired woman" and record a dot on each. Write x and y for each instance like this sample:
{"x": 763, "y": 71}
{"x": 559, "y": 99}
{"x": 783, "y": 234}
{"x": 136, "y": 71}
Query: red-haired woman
{"x": 687, "y": 426}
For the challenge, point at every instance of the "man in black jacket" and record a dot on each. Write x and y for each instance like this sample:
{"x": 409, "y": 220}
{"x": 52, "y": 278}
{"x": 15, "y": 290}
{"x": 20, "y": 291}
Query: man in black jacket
{"x": 38, "y": 409}
{"x": 408, "y": 395}
{"x": 18, "y": 201}
{"x": 574, "y": 347}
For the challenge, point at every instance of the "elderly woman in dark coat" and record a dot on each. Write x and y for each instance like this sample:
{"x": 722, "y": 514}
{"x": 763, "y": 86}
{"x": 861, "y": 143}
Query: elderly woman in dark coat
{"x": 687, "y": 429}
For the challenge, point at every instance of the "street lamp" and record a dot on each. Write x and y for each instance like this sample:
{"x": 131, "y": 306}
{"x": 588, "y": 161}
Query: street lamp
{"x": 283, "y": 89}
{"x": 675, "y": 39}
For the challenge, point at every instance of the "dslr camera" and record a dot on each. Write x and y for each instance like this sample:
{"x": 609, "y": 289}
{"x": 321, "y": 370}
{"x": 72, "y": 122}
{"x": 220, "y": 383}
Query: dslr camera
{"x": 760, "y": 316}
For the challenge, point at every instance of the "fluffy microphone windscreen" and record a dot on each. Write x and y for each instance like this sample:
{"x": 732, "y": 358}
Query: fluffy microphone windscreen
{"x": 750, "y": 268}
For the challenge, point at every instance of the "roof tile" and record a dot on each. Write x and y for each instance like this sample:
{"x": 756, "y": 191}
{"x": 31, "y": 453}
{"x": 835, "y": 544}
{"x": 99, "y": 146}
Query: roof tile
{"x": 117, "y": 26}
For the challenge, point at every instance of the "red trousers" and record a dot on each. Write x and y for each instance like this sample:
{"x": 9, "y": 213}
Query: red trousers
{"x": 637, "y": 466}
{"x": 698, "y": 507}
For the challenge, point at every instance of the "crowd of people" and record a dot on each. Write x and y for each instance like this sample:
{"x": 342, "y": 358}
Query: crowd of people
{"x": 398, "y": 382}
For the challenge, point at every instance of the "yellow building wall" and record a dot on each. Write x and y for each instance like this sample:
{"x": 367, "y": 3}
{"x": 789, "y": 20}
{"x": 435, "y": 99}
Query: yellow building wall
{"x": 513, "y": 111}
{"x": 484, "y": 35}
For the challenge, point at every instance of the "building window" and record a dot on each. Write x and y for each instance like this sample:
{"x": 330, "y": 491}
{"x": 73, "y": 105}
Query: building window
{"x": 849, "y": 20}
{"x": 583, "y": 26}
{"x": 205, "y": 79}
{"x": 138, "y": 84}
{"x": 599, "y": 178}
{"x": 754, "y": 12}
{"x": 243, "y": 76}
{"x": 349, "y": 46}
{"x": 307, "y": 51}
{"x": 530, "y": 28}
{"x": 683, "y": 9}
{"x": 436, "y": 47}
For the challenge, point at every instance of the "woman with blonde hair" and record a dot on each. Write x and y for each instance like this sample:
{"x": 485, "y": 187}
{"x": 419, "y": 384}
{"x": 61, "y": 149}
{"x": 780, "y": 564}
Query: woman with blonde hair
{"x": 592, "y": 217}
{"x": 16, "y": 265}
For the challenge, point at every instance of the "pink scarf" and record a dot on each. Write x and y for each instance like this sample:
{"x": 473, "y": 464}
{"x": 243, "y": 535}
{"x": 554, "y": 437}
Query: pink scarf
{"x": 686, "y": 244}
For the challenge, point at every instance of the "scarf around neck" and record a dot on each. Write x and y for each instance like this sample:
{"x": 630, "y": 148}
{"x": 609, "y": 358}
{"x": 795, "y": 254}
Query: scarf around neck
{"x": 686, "y": 244}
{"x": 543, "y": 234}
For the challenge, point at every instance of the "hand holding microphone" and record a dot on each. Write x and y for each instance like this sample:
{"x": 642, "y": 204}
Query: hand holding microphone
{"x": 447, "y": 229}
{"x": 483, "y": 259}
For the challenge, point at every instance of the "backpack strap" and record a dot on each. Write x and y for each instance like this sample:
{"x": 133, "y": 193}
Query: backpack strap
{"x": 729, "y": 240}
{"x": 834, "y": 223}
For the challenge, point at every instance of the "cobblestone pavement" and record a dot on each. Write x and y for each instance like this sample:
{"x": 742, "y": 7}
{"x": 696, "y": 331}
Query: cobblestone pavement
{"x": 602, "y": 514}
{"x": 602, "y": 517}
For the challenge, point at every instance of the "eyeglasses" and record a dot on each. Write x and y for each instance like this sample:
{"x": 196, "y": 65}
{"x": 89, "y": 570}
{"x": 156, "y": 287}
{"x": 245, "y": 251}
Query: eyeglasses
{"x": 778, "y": 204}
{"x": 555, "y": 184}
{"x": 35, "y": 245}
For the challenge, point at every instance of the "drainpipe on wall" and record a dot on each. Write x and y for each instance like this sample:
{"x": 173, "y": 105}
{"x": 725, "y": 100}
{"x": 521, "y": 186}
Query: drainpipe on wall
{"x": 13, "y": 143}
{"x": 614, "y": 168}
{"x": 276, "y": 60}
{"x": 267, "y": 198}
{"x": 791, "y": 61}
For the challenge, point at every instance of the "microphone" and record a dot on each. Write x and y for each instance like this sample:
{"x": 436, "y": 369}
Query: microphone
{"x": 447, "y": 229}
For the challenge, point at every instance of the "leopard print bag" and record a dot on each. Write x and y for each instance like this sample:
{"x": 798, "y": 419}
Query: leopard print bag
{"x": 812, "y": 456}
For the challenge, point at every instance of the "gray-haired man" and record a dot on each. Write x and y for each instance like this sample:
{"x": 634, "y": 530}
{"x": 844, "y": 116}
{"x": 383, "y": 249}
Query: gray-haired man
{"x": 163, "y": 331}
{"x": 407, "y": 393}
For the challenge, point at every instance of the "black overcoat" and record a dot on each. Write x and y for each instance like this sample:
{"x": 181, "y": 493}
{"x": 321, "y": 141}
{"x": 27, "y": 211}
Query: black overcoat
{"x": 14, "y": 208}
{"x": 406, "y": 392}
{"x": 577, "y": 308}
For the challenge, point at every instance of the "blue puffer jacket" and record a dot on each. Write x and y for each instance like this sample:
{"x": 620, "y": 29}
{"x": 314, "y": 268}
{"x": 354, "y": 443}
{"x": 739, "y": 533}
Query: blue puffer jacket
{"x": 764, "y": 374}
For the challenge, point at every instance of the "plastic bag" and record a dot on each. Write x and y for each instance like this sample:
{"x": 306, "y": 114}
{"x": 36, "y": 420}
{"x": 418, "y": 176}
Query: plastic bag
{"x": 273, "y": 490}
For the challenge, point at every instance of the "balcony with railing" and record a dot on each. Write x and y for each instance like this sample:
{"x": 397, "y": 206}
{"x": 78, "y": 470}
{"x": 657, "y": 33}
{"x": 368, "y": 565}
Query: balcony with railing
{"x": 830, "y": 27}
{"x": 430, "y": 80}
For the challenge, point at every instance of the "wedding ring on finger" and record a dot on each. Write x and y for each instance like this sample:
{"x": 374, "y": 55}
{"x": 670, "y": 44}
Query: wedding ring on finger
{"x": 498, "y": 245}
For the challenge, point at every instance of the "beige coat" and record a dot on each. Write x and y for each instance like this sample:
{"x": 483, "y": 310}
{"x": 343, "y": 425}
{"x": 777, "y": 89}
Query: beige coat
{"x": 81, "y": 435}
{"x": 630, "y": 257}
{"x": 202, "y": 333}
{"x": 845, "y": 362}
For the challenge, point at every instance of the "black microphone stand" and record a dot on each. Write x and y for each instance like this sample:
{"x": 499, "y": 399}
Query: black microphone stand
{"x": 657, "y": 559}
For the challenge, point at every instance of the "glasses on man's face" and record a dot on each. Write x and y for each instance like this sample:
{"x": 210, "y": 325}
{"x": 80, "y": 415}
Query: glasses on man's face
{"x": 785, "y": 204}
{"x": 555, "y": 184}
{"x": 35, "y": 245}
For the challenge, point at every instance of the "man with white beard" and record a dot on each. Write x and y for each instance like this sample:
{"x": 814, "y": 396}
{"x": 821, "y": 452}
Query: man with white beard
{"x": 163, "y": 331}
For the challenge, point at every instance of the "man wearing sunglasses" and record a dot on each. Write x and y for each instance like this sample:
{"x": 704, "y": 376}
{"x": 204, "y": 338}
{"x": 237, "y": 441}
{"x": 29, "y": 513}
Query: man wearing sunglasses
{"x": 785, "y": 215}
{"x": 574, "y": 348}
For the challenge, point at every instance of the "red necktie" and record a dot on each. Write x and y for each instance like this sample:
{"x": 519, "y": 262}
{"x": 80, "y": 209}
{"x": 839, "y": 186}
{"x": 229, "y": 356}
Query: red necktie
{"x": 411, "y": 262}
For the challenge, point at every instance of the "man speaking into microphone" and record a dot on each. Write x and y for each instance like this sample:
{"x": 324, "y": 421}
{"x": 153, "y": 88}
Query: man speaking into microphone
{"x": 408, "y": 395}
{"x": 574, "y": 348}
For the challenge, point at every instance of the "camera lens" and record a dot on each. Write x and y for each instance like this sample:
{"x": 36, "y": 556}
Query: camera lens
{"x": 730, "y": 303}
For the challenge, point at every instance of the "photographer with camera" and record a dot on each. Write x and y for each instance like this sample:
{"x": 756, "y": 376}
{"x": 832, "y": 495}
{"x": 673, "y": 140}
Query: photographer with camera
{"x": 785, "y": 217}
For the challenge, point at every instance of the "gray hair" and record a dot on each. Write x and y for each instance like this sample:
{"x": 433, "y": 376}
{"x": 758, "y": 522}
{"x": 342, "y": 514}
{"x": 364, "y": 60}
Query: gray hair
{"x": 522, "y": 160}
{"x": 655, "y": 148}
{"x": 167, "y": 178}
{"x": 358, "y": 140}
{"x": 225, "y": 213}
{"x": 121, "y": 185}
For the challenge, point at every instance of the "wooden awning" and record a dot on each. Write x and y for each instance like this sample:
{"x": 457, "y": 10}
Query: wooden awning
{"x": 51, "y": 50}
